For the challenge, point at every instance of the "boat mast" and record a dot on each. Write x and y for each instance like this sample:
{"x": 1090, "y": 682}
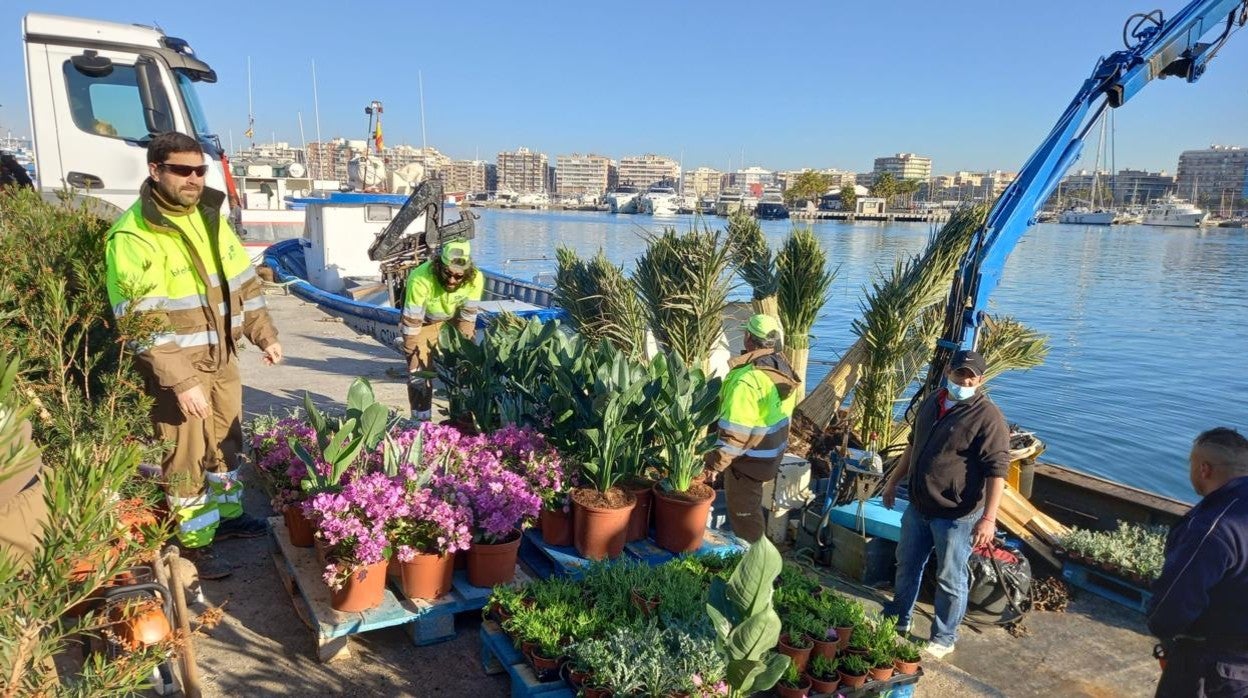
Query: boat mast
{"x": 316, "y": 107}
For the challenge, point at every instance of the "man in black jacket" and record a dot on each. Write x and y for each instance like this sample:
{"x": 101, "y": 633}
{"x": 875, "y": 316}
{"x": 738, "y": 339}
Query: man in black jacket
{"x": 1199, "y": 607}
{"x": 955, "y": 467}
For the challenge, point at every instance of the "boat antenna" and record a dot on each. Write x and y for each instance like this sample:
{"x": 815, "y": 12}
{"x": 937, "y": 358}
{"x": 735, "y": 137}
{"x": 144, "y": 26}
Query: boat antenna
{"x": 251, "y": 115}
{"x": 320, "y": 146}
{"x": 424, "y": 142}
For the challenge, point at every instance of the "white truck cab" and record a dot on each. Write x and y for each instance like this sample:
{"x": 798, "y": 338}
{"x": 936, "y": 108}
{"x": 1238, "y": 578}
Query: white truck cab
{"x": 98, "y": 92}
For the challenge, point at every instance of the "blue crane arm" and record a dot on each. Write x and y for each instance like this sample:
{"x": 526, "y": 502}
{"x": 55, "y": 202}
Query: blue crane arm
{"x": 1157, "y": 48}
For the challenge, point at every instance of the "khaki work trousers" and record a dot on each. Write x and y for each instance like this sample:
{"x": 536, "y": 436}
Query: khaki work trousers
{"x": 420, "y": 361}
{"x": 201, "y": 470}
{"x": 21, "y": 523}
{"x": 745, "y": 505}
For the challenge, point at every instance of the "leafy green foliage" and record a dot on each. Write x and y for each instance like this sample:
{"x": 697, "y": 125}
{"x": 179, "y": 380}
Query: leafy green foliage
{"x": 1130, "y": 548}
{"x": 808, "y": 186}
{"x": 746, "y": 626}
{"x": 86, "y": 404}
{"x": 849, "y": 198}
{"x": 688, "y": 404}
{"x": 854, "y": 665}
{"x": 341, "y": 442}
{"x": 601, "y": 301}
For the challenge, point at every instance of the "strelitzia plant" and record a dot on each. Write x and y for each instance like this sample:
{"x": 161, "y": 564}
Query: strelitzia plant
{"x": 341, "y": 443}
{"x": 746, "y": 625}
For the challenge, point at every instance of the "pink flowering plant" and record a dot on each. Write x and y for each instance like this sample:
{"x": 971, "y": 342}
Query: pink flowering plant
{"x": 275, "y": 459}
{"x": 353, "y": 522}
{"x": 527, "y": 453}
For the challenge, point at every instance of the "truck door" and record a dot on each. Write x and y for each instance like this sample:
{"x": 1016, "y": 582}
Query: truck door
{"x": 92, "y": 113}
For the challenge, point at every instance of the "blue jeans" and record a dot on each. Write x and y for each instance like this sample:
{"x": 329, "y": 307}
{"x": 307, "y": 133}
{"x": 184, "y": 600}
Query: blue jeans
{"x": 951, "y": 539}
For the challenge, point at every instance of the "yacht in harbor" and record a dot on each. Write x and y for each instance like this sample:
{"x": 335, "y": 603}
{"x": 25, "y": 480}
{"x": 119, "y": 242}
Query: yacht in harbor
{"x": 771, "y": 206}
{"x": 730, "y": 201}
{"x": 1175, "y": 212}
{"x": 660, "y": 200}
{"x": 1082, "y": 215}
{"x": 624, "y": 198}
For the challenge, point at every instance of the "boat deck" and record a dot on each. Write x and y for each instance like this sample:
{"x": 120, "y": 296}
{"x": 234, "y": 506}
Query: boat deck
{"x": 261, "y": 647}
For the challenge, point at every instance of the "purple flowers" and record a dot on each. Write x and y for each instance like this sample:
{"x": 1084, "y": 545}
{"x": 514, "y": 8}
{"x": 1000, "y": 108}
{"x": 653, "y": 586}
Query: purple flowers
{"x": 469, "y": 488}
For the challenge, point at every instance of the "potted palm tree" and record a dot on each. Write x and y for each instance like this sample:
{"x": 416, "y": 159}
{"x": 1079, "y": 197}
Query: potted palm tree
{"x": 687, "y": 405}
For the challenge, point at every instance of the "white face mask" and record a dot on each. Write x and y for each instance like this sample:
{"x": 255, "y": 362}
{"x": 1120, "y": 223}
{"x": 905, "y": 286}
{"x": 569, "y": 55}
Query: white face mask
{"x": 959, "y": 392}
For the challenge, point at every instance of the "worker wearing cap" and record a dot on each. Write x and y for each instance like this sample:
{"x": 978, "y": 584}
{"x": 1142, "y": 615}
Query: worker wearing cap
{"x": 448, "y": 286}
{"x": 955, "y": 464}
{"x": 756, "y": 401}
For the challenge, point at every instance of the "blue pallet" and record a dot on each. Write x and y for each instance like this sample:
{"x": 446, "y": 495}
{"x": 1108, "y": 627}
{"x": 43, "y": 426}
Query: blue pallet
{"x": 499, "y": 655}
{"x": 714, "y": 542}
{"x": 426, "y": 622}
{"x": 1108, "y": 586}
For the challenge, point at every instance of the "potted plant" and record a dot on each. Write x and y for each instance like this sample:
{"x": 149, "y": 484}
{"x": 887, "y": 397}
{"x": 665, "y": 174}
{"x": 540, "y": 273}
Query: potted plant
{"x": 687, "y": 406}
{"x": 506, "y": 600}
{"x": 547, "y": 638}
{"x": 823, "y": 675}
{"x": 352, "y": 523}
{"x": 746, "y": 624}
{"x": 881, "y": 660}
{"x": 853, "y": 670}
{"x": 601, "y": 510}
{"x": 281, "y": 471}
{"x": 528, "y": 454}
{"x": 794, "y": 641}
{"x": 906, "y": 657}
{"x": 844, "y": 615}
{"x": 425, "y": 535}
{"x": 793, "y": 684}
{"x": 139, "y": 622}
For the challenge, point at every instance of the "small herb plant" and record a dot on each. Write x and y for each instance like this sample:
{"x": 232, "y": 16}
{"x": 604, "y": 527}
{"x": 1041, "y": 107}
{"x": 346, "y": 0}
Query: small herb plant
{"x": 823, "y": 668}
{"x": 854, "y": 665}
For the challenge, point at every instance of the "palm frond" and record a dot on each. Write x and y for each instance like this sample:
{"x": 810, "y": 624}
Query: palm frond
{"x": 803, "y": 282}
{"x": 683, "y": 283}
{"x": 600, "y": 301}
{"x": 901, "y": 316}
{"x": 751, "y": 256}
{"x": 1007, "y": 344}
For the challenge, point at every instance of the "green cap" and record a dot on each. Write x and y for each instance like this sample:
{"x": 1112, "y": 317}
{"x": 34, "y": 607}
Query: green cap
{"x": 457, "y": 255}
{"x": 765, "y": 327}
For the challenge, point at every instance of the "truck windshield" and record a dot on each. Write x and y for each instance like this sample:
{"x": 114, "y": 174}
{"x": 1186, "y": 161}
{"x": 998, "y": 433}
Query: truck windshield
{"x": 198, "y": 120}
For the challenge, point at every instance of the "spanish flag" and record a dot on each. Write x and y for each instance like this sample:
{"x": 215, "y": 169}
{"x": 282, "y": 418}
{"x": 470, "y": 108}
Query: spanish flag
{"x": 377, "y": 136}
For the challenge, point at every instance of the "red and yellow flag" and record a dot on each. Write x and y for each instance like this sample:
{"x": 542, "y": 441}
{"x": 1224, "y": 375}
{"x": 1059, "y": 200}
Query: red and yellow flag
{"x": 377, "y": 136}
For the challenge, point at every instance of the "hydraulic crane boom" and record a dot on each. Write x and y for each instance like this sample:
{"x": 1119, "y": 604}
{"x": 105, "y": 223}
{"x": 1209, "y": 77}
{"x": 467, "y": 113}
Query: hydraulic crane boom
{"x": 1155, "y": 48}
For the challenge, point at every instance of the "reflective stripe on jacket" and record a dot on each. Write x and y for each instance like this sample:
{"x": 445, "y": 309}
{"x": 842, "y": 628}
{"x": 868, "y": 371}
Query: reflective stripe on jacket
{"x": 425, "y": 300}
{"x": 195, "y": 275}
{"x": 756, "y": 402}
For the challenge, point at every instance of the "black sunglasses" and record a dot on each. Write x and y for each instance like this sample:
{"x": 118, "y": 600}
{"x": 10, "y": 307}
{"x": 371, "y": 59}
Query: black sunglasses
{"x": 185, "y": 170}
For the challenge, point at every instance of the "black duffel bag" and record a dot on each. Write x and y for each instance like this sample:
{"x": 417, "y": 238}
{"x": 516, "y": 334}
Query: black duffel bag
{"x": 1000, "y": 589}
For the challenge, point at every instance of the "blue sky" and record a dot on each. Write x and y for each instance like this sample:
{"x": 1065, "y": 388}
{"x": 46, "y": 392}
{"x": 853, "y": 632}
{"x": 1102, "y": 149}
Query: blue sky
{"x": 973, "y": 84}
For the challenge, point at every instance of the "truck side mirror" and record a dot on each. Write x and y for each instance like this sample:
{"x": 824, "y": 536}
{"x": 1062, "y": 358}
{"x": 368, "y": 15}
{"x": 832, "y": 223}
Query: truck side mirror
{"x": 92, "y": 64}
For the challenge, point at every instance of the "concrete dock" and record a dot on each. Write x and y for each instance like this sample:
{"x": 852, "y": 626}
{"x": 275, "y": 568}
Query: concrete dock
{"x": 261, "y": 648}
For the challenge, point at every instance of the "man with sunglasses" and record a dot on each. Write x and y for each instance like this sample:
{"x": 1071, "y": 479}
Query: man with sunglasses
{"x": 444, "y": 287}
{"x": 177, "y": 270}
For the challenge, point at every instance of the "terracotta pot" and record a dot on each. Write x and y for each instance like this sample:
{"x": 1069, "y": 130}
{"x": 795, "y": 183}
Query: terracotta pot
{"x": 140, "y": 626}
{"x": 639, "y": 519}
{"x": 544, "y": 667}
{"x": 843, "y": 635}
{"x": 906, "y": 668}
{"x": 576, "y": 678}
{"x": 364, "y": 589}
{"x": 852, "y": 681}
{"x": 826, "y": 648}
{"x": 599, "y": 532}
{"x": 791, "y": 692}
{"x": 597, "y": 692}
{"x": 860, "y": 651}
{"x": 557, "y": 527}
{"x": 643, "y": 604}
{"x": 820, "y": 687}
{"x": 881, "y": 673}
{"x": 490, "y": 564}
{"x": 426, "y": 576}
{"x": 800, "y": 655}
{"x": 680, "y": 524}
{"x": 300, "y": 529}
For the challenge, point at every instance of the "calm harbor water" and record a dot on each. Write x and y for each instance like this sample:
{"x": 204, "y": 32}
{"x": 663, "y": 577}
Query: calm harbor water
{"x": 1148, "y": 327}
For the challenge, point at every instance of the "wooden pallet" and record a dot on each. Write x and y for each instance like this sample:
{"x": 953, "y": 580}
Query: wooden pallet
{"x": 499, "y": 655}
{"x": 545, "y": 559}
{"x": 426, "y": 622}
{"x": 1116, "y": 589}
